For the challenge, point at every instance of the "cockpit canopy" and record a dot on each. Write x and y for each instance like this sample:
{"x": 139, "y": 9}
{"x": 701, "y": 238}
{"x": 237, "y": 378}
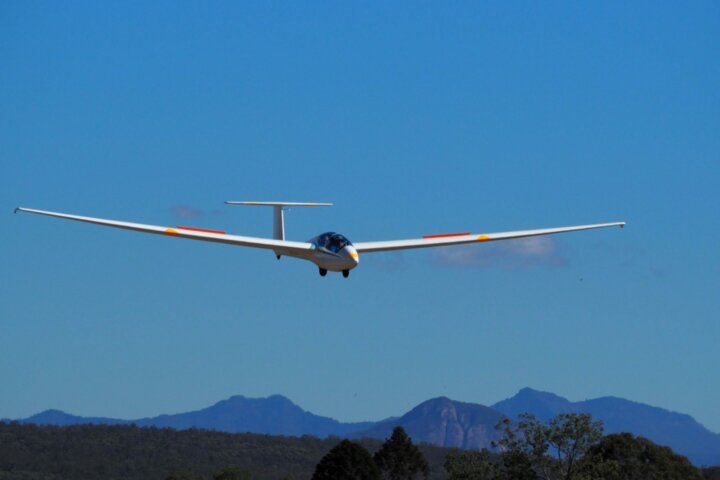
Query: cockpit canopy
{"x": 332, "y": 241}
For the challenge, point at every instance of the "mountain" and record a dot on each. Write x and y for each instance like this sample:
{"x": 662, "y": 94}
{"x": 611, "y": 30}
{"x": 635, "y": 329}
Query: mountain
{"x": 679, "y": 431}
{"x": 682, "y": 432}
{"x": 543, "y": 405}
{"x": 443, "y": 422}
{"x": 275, "y": 415}
{"x": 58, "y": 417}
{"x": 439, "y": 421}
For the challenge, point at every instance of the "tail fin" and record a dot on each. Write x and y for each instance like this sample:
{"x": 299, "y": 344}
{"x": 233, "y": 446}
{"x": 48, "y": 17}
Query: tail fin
{"x": 278, "y": 207}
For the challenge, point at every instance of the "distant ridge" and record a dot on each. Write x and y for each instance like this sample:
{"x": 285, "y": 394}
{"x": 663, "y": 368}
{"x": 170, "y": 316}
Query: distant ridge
{"x": 438, "y": 421}
{"x": 274, "y": 415}
{"x": 58, "y": 417}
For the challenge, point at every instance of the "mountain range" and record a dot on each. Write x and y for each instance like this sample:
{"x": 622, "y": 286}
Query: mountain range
{"x": 438, "y": 421}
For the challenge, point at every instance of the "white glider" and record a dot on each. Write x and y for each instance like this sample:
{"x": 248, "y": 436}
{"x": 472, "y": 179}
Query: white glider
{"x": 330, "y": 251}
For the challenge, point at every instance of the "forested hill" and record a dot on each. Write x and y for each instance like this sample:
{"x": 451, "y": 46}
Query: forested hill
{"x": 89, "y": 452}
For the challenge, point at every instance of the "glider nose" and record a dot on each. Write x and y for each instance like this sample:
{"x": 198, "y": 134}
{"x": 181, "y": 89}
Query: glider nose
{"x": 352, "y": 253}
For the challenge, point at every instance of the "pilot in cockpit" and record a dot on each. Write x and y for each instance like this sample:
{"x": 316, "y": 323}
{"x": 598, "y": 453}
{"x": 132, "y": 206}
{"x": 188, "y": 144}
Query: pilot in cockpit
{"x": 333, "y": 242}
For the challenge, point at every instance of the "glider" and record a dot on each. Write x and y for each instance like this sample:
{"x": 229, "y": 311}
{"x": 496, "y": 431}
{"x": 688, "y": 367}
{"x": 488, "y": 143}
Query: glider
{"x": 330, "y": 251}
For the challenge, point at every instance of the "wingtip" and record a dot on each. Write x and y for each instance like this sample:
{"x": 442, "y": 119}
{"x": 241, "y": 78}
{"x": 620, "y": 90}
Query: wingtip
{"x": 17, "y": 209}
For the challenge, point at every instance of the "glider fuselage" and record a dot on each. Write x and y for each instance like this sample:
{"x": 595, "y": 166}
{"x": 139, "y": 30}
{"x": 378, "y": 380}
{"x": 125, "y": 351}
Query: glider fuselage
{"x": 333, "y": 252}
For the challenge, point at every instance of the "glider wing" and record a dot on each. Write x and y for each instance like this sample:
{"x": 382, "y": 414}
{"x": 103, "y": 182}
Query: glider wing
{"x": 193, "y": 233}
{"x": 461, "y": 238}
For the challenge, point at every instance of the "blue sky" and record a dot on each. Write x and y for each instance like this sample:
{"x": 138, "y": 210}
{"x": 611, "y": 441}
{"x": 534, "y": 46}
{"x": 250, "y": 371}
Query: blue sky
{"x": 413, "y": 118}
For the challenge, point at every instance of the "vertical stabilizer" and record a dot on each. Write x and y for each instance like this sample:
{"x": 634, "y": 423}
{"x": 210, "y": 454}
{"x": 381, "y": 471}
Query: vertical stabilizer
{"x": 278, "y": 223}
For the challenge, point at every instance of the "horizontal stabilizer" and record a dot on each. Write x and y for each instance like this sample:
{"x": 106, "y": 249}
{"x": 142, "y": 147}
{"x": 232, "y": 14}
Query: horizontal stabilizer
{"x": 278, "y": 217}
{"x": 280, "y": 204}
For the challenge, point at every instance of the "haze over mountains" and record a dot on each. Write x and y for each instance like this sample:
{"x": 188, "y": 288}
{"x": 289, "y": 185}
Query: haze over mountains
{"x": 439, "y": 421}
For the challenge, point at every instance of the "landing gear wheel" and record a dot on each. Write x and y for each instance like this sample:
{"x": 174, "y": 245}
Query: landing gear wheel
{"x": 346, "y": 273}
{"x": 323, "y": 272}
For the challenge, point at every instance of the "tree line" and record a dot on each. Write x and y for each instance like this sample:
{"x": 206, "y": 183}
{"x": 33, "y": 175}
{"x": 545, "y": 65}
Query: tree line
{"x": 128, "y": 452}
{"x": 568, "y": 447}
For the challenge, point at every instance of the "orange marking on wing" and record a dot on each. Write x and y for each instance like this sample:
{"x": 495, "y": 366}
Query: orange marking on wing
{"x": 205, "y": 230}
{"x": 171, "y": 231}
{"x": 482, "y": 238}
{"x": 440, "y": 235}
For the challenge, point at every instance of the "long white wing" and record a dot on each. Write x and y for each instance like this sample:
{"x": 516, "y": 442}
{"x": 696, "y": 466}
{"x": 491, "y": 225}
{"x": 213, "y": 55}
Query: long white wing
{"x": 460, "y": 238}
{"x": 280, "y": 246}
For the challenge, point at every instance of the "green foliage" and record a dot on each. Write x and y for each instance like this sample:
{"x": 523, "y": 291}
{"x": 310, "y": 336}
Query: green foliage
{"x": 470, "y": 465}
{"x": 399, "y": 459}
{"x": 347, "y": 461}
{"x": 570, "y": 435}
{"x": 515, "y": 459}
{"x": 232, "y": 473}
{"x": 571, "y": 447}
{"x": 516, "y": 465}
{"x": 549, "y": 450}
{"x": 626, "y": 457}
{"x": 89, "y": 452}
{"x": 103, "y": 452}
